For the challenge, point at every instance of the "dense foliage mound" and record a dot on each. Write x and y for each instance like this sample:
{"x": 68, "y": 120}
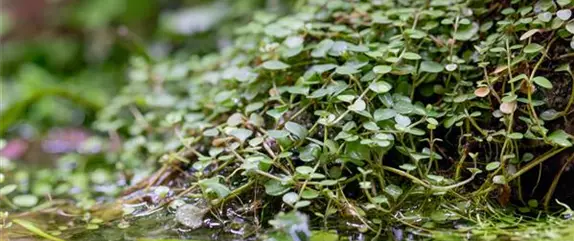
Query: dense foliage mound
{"x": 362, "y": 114}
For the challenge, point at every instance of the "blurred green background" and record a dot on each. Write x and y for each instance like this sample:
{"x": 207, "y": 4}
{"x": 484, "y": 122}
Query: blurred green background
{"x": 62, "y": 60}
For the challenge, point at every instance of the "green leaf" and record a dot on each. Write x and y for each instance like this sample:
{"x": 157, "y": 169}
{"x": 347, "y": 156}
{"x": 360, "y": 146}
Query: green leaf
{"x": 380, "y": 87}
{"x": 213, "y": 185}
{"x": 499, "y": 179}
{"x": 560, "y": 137}
{"x": 324, "y": 236}
{"x": 408, "y": 167}
{"x": 296, "y": 129}
{"x": 411, "y": 56}
{"x": 492, "y": 166}
{"x": 274, "y": 65}
{"x": 275, "y": 188}
{"x": 384, "y": 114}
{"x": 277, "y": 134}
{"x": 570, "y": 27}
{"x": 5, "y": 190}
{"x": 290, "y": 198}
{"x": 393, "y": 190}
{"x": 32, "y": 228}
{"x": 533, "y": 48}
{"x": 322, "y": 48}
{"x": 402, "y": 120}
{"x": 359, "y": 105}
{"x": 346, "y": 70}
{"x": 542, "y": 82}
{"x": 304, "y": 170}
{"x": 431, "y": 67}
{"x": 382, "y": 69}
{"x": 241, "y": 134}
{"x": 25, "y": 200}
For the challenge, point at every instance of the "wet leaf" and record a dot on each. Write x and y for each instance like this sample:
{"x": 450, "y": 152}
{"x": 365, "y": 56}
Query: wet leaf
{"x": 34, "y": 229}
{"x": 190, "y": 215}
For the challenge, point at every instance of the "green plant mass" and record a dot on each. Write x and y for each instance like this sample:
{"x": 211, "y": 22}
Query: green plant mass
{"x": 359, "y": 120}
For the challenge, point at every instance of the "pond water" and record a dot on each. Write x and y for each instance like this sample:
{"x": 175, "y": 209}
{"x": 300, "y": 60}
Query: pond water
{"x": 162, "y": 226}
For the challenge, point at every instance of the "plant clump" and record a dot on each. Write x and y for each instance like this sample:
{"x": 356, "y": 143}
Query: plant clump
{"x": 366, "y": 110}
{"x": 363, "y": 114}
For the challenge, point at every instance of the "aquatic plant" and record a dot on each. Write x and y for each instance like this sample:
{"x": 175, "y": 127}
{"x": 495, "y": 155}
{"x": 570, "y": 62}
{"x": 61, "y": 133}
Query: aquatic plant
{"x": 363, "y": 116}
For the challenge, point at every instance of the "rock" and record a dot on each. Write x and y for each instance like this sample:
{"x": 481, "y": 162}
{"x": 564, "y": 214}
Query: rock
{"x": 190, "y": 215}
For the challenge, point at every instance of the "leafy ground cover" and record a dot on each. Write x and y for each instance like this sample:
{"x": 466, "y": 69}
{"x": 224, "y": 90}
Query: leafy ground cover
{"x": 443, "y": 119}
